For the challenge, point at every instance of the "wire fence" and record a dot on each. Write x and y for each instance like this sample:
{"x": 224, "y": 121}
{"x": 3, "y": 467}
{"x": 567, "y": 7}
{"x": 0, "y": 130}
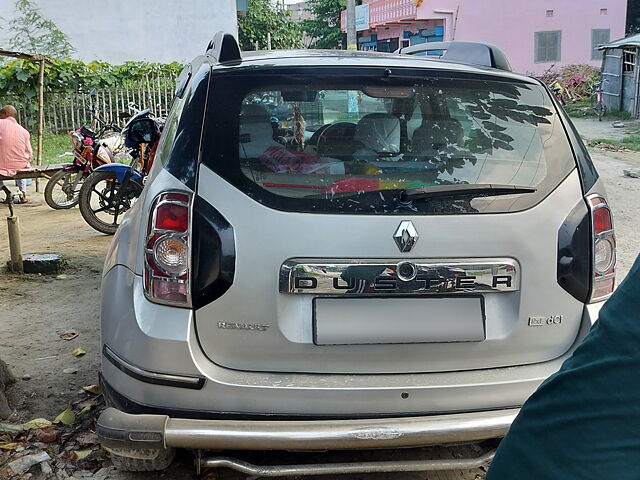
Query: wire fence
{"x": 64, "y": 112}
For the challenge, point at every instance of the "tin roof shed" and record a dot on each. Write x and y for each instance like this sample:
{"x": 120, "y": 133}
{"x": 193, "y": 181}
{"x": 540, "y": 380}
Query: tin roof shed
{"x": 620, "y": 75}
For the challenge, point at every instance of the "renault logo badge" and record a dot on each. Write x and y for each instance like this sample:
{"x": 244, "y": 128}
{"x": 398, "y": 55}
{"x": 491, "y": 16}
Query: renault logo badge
{"x": 406, "y": 236}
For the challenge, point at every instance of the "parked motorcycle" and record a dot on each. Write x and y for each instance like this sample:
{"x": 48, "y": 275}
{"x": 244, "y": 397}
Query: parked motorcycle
{"x": 90, "y": 150}
{"x": 63, "y": 188}
{"x": 112, "y": 189}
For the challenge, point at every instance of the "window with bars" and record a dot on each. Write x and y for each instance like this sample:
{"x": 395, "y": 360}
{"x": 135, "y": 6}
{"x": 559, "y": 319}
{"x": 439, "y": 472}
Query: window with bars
{"x": 599, "y": 37}
{"x": 628, "y": 60}
{"x": 548, "y": 46}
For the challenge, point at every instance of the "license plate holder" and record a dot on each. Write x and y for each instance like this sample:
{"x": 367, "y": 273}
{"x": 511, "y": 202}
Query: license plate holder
{"x": 367, "y": 321}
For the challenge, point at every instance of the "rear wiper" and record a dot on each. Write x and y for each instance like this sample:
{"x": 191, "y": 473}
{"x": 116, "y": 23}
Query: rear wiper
{"x": 440, "y": 191}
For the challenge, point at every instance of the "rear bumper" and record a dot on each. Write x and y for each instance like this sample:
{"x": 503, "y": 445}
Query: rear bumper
{"x": 155, "y": 345}
{"x": 120, "y": 430}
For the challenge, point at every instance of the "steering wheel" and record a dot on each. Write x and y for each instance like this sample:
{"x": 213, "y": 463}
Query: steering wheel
{"x": 335, "y": 140}
{"x": 313, "y": 141}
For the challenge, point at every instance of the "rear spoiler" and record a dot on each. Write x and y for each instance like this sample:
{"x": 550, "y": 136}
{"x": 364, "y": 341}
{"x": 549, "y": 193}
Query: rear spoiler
{"x": 472, "y": 53}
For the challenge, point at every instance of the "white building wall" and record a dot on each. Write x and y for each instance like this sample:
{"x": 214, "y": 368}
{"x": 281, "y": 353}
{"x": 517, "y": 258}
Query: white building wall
{"x": 116, "y": 31}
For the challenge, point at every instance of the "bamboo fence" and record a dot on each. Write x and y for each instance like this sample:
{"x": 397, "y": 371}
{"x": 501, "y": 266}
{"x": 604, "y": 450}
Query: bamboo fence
{"x": 64, "y": 112}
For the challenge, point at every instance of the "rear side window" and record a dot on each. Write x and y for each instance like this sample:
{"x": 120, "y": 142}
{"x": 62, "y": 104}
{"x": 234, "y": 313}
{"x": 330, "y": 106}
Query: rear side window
{"x": 327, "y": 144}
{"x": 169, "y": 131}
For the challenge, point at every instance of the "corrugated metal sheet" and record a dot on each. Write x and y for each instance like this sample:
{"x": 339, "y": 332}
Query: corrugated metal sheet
{"x": 632, "y": 41}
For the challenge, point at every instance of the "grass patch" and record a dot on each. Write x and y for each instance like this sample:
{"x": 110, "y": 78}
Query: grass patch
{"x": 618, "y": 114}
{"x": 584, "y": 109}
{"x": 579, "y": 109}
{"x": 632, "y": 142}
{"x": 53, "y": 144}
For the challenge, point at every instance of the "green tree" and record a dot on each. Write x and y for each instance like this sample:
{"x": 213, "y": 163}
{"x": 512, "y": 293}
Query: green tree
{"x": 633, "y": 16}
{"x": 32, "y": 33}
{"x": 20, "y": 77}
{"x": 324, "y": 28}
{"x": 263, "y": 17}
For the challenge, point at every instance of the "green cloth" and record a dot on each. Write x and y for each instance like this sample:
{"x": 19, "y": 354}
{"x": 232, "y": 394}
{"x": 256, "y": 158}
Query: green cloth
{"x": 584, "y": 421}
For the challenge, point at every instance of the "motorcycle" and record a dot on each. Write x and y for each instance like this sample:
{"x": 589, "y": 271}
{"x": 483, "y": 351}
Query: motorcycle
{"x": 90, "y": 150}
{"x": 112, "y": 189}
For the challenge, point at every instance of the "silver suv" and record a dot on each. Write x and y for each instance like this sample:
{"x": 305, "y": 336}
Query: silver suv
{"x": 345, "y": 250}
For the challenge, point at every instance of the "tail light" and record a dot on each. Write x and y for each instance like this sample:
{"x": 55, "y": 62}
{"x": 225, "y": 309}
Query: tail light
{"x": 167, "y": 250}
{"x": 604, "y": 249}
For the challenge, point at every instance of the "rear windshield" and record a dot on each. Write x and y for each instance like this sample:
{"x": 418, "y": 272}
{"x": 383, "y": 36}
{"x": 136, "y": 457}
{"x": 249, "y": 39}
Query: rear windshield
{"x": 367, "y": 143}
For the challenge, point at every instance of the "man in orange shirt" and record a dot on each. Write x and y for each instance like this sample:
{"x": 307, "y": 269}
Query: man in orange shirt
{"x": 15, "y": 149}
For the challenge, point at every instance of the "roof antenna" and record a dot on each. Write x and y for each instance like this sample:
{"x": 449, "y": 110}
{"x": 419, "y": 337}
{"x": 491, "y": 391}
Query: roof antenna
{"x": 224, "y": 48}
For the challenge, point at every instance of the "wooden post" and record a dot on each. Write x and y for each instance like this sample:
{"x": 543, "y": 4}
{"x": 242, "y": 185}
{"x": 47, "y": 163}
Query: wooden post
{"x": 15, "y": 248}
{"x": 40, "y": 117}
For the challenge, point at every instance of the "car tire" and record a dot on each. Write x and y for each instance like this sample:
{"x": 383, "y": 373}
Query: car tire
{"x": 142, "y": 460}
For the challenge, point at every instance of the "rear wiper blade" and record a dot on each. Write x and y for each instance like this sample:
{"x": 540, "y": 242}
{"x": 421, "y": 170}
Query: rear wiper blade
{"x": 440, "y": 191}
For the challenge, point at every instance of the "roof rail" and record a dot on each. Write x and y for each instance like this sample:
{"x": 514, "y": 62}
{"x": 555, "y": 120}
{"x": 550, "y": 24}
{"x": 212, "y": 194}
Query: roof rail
{"x": 224, "y": 48}
{"x": 473, "y": 53}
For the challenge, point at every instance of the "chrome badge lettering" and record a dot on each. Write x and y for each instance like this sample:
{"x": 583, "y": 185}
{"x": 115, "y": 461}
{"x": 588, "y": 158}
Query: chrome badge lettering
{"x": 377, "y": 434}
{"x": 415, "y": 277}
{"x": 543, "y": 321}
{"x": 243, "y": 326}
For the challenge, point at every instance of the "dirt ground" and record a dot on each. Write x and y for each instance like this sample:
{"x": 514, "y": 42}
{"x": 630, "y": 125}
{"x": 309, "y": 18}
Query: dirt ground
{"x": 591, "y": 128}
{"x": 36, "y": 309}
{"x": 623, "y": 192}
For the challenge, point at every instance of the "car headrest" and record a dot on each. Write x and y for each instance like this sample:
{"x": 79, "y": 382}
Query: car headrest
{"x": 379, "y": 132}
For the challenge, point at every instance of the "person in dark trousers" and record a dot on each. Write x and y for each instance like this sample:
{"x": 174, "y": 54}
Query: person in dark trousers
{"x": 583, "y": 422}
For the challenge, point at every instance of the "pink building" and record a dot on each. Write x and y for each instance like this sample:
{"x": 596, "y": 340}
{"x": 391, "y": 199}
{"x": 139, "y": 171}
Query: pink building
{"x": 535, "y": 35}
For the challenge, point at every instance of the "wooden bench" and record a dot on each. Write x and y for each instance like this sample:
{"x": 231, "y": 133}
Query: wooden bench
{"x": 37, "y": 171}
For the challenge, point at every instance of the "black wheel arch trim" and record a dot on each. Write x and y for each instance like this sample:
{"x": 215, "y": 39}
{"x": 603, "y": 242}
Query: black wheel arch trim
{"x": 155, "y": 378}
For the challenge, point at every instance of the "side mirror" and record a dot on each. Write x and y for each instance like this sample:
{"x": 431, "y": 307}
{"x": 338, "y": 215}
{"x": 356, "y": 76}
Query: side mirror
{"x": 143, "y": 130}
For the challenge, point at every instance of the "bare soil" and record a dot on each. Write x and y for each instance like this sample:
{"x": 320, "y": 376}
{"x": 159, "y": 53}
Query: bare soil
{"x": 591, "y": 128}
{"x": 36, "y": 309}
{"x": 623, "y": 192}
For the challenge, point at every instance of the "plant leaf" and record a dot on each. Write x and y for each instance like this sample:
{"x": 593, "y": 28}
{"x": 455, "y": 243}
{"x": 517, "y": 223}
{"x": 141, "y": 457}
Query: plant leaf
{"x": 95, "y": 389}
{"x": 10, "y": 428}
{"x": 37, "y": 423}
{"x": 66, "y": 417}
{"x": 70, "y": 335}
{"x": 82, "y": 453}
{"x": 78, "y": 352}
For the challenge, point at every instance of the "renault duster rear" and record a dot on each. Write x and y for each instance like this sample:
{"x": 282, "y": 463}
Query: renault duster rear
{"x": 338, "y": 250}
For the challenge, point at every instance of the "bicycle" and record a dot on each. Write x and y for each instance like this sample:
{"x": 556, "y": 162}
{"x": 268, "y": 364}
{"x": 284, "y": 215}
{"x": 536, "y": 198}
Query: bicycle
{"x": 599, "y": 108}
